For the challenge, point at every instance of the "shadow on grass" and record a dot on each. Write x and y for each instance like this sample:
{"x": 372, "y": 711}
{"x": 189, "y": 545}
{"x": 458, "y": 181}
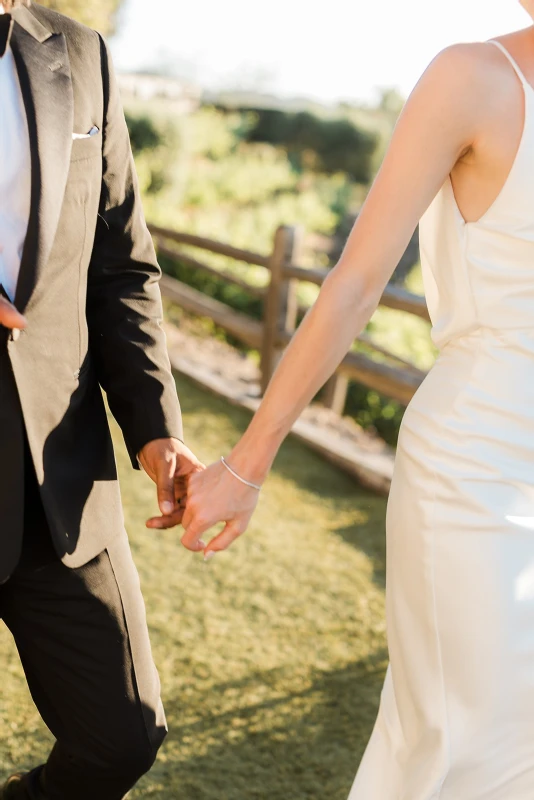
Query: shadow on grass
{"x": 303, "y": 744}
{"x": 364, "y": 538}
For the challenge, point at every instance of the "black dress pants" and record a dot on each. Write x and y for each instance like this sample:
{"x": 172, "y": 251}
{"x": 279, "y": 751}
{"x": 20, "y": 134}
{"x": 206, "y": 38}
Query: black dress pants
{"x": 83, "y": 642}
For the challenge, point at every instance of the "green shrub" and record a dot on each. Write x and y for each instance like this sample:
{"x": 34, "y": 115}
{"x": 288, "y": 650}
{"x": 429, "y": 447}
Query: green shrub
{"x": 144, "y": 134}
{"x": 324, "y": 145}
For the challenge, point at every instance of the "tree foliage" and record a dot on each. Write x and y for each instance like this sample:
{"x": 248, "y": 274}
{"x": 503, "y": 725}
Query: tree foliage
{"x": 98, "y": 14}
{"x": 155, "y": 144}
{"x": 324, "y": 145}
{"x": 144, "y": 134}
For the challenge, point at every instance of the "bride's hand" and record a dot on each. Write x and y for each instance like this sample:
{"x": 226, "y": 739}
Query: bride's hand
{"x": 213, "y": 496}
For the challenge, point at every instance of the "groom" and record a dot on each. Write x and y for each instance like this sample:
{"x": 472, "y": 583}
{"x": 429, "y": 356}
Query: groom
{"x": 77, "y": 261}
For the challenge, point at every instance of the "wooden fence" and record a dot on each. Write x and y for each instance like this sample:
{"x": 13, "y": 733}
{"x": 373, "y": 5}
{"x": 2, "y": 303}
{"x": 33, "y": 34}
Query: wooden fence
{"x": 393, "y": 376}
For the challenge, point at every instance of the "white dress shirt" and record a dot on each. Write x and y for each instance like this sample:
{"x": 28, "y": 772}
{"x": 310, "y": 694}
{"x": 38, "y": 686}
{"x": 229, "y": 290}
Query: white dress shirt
{"x": 15, "y": 173}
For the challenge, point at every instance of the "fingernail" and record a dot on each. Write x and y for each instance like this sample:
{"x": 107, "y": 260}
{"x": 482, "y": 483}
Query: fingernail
{"x": 209, "y": 556}
{"x": 202, "y": 545}
{"x": 167, "y": 507}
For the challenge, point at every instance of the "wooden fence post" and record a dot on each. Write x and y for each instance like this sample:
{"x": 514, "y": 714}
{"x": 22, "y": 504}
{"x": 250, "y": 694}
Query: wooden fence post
{"x": 281, "y": 304}
{"x": 334, "y": 394}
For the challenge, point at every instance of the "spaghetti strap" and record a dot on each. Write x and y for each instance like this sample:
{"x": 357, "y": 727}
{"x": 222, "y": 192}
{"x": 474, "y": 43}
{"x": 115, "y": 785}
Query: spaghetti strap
{"x": 512, "y": 61}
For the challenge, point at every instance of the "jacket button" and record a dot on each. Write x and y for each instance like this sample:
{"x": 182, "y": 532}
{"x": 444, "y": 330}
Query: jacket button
{"x": 15, "y": 335}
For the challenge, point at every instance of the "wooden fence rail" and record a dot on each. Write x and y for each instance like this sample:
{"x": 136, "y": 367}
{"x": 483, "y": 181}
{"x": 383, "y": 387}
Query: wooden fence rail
{"x": 393, "y": 377}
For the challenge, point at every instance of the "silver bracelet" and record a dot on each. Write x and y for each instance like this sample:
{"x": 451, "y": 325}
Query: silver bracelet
{"x": 239, "y": 478}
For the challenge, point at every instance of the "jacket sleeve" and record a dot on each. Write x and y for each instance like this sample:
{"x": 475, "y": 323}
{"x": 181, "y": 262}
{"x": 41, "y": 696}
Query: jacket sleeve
{"x": 124, "y": 309}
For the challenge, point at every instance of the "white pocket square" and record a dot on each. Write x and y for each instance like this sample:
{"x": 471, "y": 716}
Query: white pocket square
{"x": 94, "y": 130}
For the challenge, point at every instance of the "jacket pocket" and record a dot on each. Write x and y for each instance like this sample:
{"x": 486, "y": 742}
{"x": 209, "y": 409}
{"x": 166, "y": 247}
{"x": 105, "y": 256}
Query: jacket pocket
{"x": 86, "y": 148}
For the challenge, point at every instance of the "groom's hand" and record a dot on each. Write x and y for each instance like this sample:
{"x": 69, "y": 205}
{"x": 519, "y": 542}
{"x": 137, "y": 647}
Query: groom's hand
{"x": 169, "y": 463}
{"x": 9, "y": 316}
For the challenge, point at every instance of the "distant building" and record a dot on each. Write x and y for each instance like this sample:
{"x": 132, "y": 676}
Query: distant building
{"x": 184, "y": 96}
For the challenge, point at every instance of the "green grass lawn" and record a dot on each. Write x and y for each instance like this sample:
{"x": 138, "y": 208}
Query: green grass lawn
{"x": 272, "y": 655}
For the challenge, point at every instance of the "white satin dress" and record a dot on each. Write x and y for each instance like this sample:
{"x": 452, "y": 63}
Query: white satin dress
{"x": 456, "y": 714}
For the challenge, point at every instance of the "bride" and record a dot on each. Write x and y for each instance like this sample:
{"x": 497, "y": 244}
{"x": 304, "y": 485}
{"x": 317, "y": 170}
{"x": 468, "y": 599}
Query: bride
{"x": 456, "y": 714}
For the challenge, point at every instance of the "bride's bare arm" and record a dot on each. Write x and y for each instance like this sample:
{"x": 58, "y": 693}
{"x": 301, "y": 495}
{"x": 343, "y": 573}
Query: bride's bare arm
{"x": 439, "y": 123}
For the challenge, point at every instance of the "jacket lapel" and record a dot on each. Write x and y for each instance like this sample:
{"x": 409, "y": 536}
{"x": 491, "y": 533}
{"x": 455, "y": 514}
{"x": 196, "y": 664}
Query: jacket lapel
{"x": 44, "y": 73}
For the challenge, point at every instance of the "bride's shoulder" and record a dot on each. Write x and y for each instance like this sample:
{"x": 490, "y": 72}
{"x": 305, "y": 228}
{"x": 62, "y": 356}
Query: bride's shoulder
{"x": 467, "y": 59}
{"x": 465, "y": 68}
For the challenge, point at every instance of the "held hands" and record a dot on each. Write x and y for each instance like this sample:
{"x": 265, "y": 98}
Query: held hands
{"x": 170, "y": 464}
{"x": 196, "y": 496}
{"x": 215, "y": 495}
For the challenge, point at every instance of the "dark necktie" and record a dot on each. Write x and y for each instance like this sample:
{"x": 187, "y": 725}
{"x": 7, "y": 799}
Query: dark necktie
{"x": 6, "y": 25}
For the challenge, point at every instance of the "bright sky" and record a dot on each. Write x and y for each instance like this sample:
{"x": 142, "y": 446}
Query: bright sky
{"x": 325, "y": 49}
